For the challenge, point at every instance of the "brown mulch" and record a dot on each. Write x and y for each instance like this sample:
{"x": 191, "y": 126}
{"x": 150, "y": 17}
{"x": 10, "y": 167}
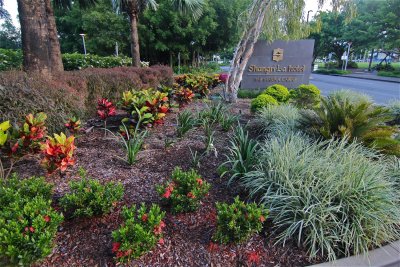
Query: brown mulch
{"x": 88, "y": 241}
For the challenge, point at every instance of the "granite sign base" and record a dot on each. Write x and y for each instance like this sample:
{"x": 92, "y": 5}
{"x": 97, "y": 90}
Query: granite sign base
{"x": 283, "y": 62}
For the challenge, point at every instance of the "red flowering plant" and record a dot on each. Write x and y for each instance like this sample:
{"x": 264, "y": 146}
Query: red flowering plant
{"x": 141, "y": 231}
{"x": 73, "y": 125}
{"x": 58, "y": 152}
{"x": 200, "y": 84}
{"x": 105, "y": 109}
{"x": 184, "y": 192}
{"x": 223, "y": 77}
{"x": 238, "y": 221}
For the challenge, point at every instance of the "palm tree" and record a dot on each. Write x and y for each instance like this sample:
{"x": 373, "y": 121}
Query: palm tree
{"x": 134, "y": 7}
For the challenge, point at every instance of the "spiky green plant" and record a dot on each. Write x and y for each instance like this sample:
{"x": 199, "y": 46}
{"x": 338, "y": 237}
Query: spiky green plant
{"x": 227, "y": 121}
{"x": 241, "y": 156}
{"x": 334, "y": 198}
{"x": 185, "y": 122}
{"x": 354, "y": 116}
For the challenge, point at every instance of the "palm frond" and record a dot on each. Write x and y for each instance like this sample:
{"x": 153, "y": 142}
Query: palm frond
{"x": 67, "y": 4}
{"x": 194, "y": 8}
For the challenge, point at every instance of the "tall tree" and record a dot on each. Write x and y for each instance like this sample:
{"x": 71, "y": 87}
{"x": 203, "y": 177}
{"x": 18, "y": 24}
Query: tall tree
{"x": 40, "y": 42}
{"x": 135, "y": 7}
{"x": 10, "y": 37}
{"x": 3, "y": 12}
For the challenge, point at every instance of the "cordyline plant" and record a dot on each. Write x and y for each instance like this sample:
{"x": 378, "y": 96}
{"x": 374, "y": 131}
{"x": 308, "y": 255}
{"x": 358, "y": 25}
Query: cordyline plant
{"x": 105, "y": 109}
{"x": 58, "y": 153}
{"x": 73, "y": 125}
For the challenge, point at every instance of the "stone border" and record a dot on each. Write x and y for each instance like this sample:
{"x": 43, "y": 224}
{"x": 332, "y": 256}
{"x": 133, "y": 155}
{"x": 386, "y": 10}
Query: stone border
{"x": 387, "y": 256}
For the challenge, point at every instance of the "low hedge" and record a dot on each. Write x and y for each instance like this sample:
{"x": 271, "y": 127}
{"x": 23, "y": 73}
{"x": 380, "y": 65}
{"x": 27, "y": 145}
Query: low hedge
{"x": 72, "y": 93}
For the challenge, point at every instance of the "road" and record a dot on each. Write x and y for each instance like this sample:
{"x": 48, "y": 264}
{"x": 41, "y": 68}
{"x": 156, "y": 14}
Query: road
{"x": 380, "y": 91}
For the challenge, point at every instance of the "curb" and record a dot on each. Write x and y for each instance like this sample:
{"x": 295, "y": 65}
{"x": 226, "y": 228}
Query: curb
{"x": 387, "y": 256}
{"x": 363, "y": 78}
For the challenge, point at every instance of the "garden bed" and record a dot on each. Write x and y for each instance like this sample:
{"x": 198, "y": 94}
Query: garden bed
{"x": 88, "y": 241}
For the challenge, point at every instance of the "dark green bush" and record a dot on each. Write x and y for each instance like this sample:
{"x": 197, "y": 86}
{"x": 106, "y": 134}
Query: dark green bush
{"x": 238, "y": 221}
{"x": 395, "y": 73}
{"x": 28, "y": 223}
{"x": 77, "y": 61}
{"x": 384, "y": 67}
{"x": 333, "y": 71}
{"x": 140, "y": 232}
{"x": 352, "y": 65}
{"x": 10, "y": 59}
{"x": 306, "y": 96}
{"x": 261, "y": 101}
{"x": 184, "y": 192}
{"x": 278, "y": 91}
{"x": 249, "y": 93}
{"x": 88, "y": 197}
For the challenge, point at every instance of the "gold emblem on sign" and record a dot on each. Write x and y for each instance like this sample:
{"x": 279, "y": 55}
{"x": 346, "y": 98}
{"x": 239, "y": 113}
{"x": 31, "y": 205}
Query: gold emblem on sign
{"x": 277, "y": 54}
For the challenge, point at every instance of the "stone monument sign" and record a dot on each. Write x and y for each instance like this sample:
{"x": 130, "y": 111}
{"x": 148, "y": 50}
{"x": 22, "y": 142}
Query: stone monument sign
{"x": 284, "y": 62}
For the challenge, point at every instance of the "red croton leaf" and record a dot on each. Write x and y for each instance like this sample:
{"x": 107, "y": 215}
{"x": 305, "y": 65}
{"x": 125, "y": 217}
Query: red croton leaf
{"x": 46, "y": 218}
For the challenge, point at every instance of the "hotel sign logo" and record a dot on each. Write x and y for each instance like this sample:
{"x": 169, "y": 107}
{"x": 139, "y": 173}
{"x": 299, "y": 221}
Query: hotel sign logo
{"x": 277, "y": 54}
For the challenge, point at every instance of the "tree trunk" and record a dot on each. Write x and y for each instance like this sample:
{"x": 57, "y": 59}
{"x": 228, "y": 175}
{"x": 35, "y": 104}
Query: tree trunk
{"x": 54, "y": 44}
{"x": 244, "y": 50}
{"x": 134, "y": 39}
{"x": 35, "y": 36}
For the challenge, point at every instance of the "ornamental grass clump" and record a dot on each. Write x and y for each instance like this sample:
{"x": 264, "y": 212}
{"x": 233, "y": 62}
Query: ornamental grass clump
{"x": 89, "y": 197}
{"x": 282, "y": 118}
{"x": 28, "y": 223}
{"x": 184, "y": 192}
{"x": 335, "y": 198}
{"x": 141, "y": 231}
{"x": 238, "y": 221}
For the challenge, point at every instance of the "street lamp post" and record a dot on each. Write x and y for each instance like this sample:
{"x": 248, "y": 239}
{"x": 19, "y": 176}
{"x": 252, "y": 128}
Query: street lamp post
{"x": 308, "y": 14}
{"x": 83, "y": 40}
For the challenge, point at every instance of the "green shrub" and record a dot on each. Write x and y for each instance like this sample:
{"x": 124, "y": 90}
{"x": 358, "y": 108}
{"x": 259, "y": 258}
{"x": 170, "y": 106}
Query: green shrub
{"x": 140, "y": 232}
{"x": 28, "y": 223}
{"x": 306, "y": 96}
{"x": 395, "y": 73}
{"x": 77, "y": 61}
{"x": 249, "y": 93}
{"x": 184, "y": 192}
{"x": 352, "y": 116}
{"x": 332, "y": 197}
{"x": 261, "y": 101}
{"x": 241, "y": 156}
{"x": 394, "y": 107}
{"x": 333, "y": 71}
{"x": 238, "y": 221}
{"x": 384, "y": 67}
{"x": 89, "y": 197}
{"x": 10, "y": 59}
{"x": 352, "y": 65}
{"x": 278, "y": 119}
{"x": 278, "y": 91}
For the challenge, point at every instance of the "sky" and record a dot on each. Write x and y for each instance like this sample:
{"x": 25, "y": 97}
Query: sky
{"x": 12, "y": 8}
